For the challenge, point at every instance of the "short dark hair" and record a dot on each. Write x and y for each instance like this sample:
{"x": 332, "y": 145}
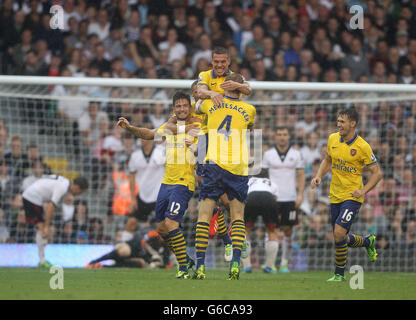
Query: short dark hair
{"x": 220, "y": 50}
{"x": 194, "y": 84}
{"x": 81, "y": 182}
{"x": 350, "y": 112}
{"x": 282, "y": 128}
{"x": 180, "y": 95}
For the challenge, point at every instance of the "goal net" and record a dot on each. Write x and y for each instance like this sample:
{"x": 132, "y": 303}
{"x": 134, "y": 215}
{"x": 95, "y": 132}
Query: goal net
{"x": 49, "y": 126}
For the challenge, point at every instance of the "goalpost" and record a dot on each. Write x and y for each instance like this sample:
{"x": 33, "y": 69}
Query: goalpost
{"x": 45, "y": 113}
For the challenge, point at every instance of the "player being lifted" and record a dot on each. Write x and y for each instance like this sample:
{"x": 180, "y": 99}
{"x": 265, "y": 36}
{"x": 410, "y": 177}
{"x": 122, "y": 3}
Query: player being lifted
{"x": 347, "y": 155}
{"x": 225, "y": 170}
{"x": 201, "y": 132}
{"x": 212, "y": 85}
{"x": 178, "y": 183}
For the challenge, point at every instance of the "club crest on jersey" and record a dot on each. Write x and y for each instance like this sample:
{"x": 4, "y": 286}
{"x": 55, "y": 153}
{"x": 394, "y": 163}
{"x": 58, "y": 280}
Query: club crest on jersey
{"x": 353, "y": 152}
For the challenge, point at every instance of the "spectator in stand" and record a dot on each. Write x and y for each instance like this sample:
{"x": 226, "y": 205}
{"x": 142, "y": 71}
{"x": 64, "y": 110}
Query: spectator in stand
{"x": 80, "y": 217}
{"x": 4, "y": 232}
{"x": 37, "y": 170}
{"x": 96, "y": 232}
{"x": 177, "y": 51}
{"x": 204, "y": 51}
{"x": 308, "y": 123}
{"x": 102, "y": 27}
{"x": 356, "y": 61}
{"x": 160, "y": 33}
{"x": 114, "y": 43}
{"x": 132, "y": 29}
{"x": 310, "y": 151}
{"x": 16, "y": 160}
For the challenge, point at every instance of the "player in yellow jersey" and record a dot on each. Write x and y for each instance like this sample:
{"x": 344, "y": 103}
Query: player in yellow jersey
{"x": 347, "y": 155}
{"x": 225, "y": 170}
{"x": 200, "y": 129}
{"x": 212, "y": 83}
{"x": 178, "y": 183}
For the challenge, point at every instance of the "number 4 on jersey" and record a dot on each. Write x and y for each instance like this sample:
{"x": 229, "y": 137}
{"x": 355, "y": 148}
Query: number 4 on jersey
{"x": 227, "y": 124}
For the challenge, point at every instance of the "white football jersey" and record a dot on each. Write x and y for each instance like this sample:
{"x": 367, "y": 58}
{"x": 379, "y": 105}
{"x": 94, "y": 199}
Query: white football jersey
{"x": 282, "y": 171}
{"x": 149, "y": 172}
{"x": 262, "y": 184}
{"x": 49, "y": 188}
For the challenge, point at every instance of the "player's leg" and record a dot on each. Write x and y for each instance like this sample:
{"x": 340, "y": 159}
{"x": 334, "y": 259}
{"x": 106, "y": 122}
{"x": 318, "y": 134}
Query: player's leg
{"x": 179, "y": 197}
{"x": 223, "y": 230}
{"x": 35, "y": 213}
{"x": 210, "y": 191}
{"x": 286, "y": 248}
{"x": 238, "y": 232}
{"x": 206, "y": 207}
{"x": 121, "y": 250}
{"x": 342, "y": 216}
{"x": 252, "y": 210}
{"x": 357, "y": 241}
{"x": 41, "y": 242}
{"x": 246, "y": 261}
{"x": 341, "y": 253}
{"x": 236, "y": 188}
{"x": 287, "y": 219}
{"x": 272, "y": 248}
{"x": 270, "y": 218}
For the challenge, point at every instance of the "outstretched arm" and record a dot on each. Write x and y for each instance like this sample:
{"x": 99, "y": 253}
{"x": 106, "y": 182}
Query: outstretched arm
{"x": 142, "y": 133}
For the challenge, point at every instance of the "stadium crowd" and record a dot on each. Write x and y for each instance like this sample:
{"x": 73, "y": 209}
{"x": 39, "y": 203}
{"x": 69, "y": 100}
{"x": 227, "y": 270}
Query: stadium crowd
{"x": 287, "y": 40}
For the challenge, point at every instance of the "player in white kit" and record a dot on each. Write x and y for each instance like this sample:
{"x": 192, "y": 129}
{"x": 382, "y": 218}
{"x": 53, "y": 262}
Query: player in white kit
{"x": 49, "y": 191}
{"x": 287, "y": 170}
{"x": 146, "y": 168}
{"x": 261, "y": 201}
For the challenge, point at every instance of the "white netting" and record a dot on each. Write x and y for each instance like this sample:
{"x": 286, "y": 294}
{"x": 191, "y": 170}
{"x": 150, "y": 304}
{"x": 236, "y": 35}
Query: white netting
{"x": 45, "y": 120}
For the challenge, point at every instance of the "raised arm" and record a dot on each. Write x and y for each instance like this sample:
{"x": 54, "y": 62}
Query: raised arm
{"x": 142, "y": 133}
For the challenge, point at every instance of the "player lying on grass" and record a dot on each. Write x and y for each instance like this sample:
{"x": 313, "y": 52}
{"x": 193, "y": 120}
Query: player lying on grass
{"x": 143, "y": 251}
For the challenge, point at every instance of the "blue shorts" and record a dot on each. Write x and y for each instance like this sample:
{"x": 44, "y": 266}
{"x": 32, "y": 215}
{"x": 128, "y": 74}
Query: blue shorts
{"x": 344, "y": 213}
{"x": 216, "y": 181}
{"x": 172, "y": 202}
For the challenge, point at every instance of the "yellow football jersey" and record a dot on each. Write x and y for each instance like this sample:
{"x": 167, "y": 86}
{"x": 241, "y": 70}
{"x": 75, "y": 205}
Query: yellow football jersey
{"x": 348, "y": 160}
{"x": 202, "y": 117}
{"x": 180, "y": 161}
{"x": 213, "y": 82}
{"x": 227, "y": 133}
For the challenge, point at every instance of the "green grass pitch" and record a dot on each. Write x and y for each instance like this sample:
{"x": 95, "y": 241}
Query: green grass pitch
{"x": 144, "y": 284}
